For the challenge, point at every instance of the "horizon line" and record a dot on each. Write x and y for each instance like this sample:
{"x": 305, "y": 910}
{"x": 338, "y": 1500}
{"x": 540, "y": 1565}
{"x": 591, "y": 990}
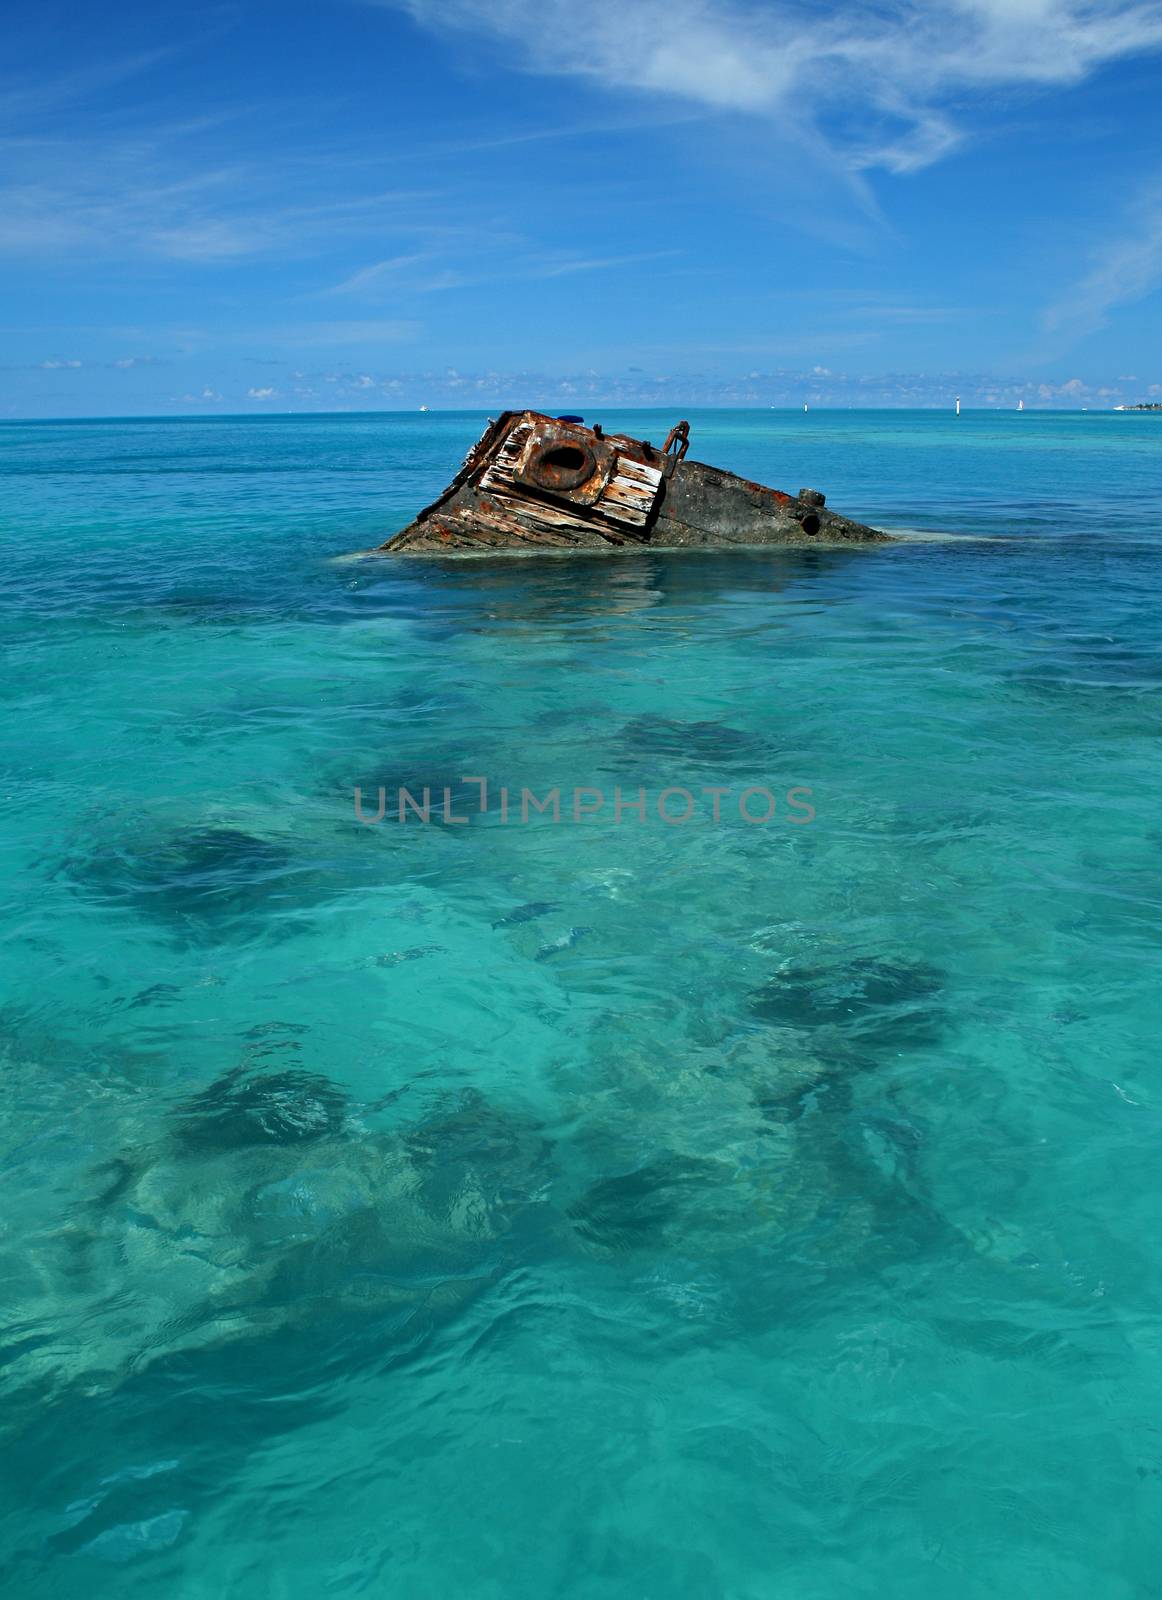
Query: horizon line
{"x": 463, "y": 411}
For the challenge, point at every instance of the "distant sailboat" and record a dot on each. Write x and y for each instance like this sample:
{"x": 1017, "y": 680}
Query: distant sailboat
{"x": 958, "y": 405}
{"x": 425, "y": 408}
{"x": 1020, "y": 405}
{"x": 804, "y": 406}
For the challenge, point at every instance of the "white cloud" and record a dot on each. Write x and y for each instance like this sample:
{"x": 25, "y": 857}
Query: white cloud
{"x": 875, "y": 78}
{"x": 568, "y": 265}
{"x": 489, "y": 258}
{"x": 1126, "y": 267}
{"x": 56, "y": 366}
{"x": 25, "y": 102}
{"x": 212, "y": 240}
{"x": 657, "y": 386}
{"x": 1071, "y": 389}
{"x": 148, "y": 195}
{"x": 260, "y": 394}
{"x": 379, "y": 275}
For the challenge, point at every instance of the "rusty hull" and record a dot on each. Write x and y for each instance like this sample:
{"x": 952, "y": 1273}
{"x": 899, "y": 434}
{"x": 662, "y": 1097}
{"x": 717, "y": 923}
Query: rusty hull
{"x": 537, "y": 482}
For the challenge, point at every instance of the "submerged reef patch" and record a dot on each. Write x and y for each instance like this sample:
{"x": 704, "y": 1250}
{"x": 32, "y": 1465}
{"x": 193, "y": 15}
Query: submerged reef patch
{"x": 636, "y": 1210}
{"x": 869, "y": 1000}
{"x": 270, "y": 1108}
{"x": 476, "y": 1156}
{"x": 706, "y": 743}
{"x": 203, "y": 882}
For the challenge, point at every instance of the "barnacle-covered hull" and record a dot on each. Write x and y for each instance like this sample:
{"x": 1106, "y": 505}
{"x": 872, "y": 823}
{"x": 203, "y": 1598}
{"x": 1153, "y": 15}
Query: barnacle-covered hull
{"x": 535, "y": 482}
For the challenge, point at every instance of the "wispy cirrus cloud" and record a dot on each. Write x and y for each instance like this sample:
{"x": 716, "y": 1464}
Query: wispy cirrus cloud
{"x": 26, "y": 99}
{"x": 129, "y": 204}
{"x": 381, "y": 276}
{"x": 514, "y": 260}
{"x": 1126, "y": 267}
{"x": 173, "y": 190}
{"x": 885, "y": 85}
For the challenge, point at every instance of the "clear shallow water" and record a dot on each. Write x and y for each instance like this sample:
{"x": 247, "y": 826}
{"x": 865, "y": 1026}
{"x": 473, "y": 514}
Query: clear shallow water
{"x": 583, "y": 1209}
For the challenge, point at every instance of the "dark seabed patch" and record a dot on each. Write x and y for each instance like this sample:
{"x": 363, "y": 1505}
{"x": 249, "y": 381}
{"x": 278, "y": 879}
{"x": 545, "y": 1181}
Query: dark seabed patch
{"x": 870, "y": 1001}
{"x": 526, "y": 913}
{"x": 637, "y": 1210}
{"x": 472, "y": 1147}
{"x": 202, "y": 882}
{"x": 432, "y": 789}
{"x": 713, "y": 744}
{"x": 242, "y": 1109}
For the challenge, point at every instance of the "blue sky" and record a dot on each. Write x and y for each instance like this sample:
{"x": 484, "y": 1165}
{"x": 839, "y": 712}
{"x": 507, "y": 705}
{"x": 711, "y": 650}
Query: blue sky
{"x": 354, "y": 204}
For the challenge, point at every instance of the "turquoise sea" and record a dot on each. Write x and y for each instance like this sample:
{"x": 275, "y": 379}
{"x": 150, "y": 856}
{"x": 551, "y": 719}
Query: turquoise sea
{"x": 583, "y": 1209}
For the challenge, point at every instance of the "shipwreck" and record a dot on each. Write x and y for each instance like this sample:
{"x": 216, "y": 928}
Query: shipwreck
{"x": 538, "y": 482}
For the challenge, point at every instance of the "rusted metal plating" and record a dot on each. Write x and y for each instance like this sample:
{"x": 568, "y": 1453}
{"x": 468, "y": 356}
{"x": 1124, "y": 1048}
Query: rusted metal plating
{"x": 677, "y": 441}
{"x": 539, "y": 481}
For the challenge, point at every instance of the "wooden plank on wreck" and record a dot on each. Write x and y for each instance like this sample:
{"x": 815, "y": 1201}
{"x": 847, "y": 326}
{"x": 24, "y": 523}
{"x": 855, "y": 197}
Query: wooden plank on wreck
{"x": 631, "y": 493}
{"x": 627, "y": 501}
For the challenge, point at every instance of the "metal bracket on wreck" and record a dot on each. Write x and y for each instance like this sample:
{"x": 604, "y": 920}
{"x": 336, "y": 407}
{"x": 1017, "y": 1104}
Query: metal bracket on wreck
{"x": 539, "y": 482}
